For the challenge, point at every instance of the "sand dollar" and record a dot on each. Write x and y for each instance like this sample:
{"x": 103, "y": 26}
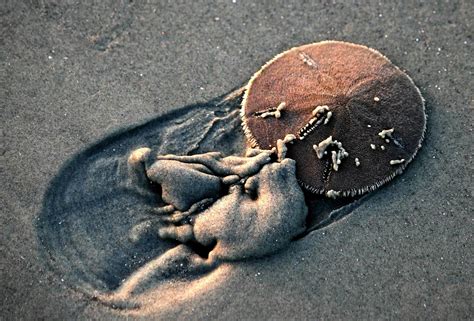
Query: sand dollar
{"x": 359, "y": 120}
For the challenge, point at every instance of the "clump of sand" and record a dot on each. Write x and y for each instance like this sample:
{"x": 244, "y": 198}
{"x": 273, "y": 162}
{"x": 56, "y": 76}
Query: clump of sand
{"x": 233, "y": 207}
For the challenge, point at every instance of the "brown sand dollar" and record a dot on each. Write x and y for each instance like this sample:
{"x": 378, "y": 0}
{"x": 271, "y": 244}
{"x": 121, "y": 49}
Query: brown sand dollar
{"x": 358, "y": 119}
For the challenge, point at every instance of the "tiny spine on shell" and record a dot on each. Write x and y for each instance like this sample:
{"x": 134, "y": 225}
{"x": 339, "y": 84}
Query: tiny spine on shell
{"x": 397, "y": 161}
{"x": 373, "y": 146}
{"x": 382, "y": 147}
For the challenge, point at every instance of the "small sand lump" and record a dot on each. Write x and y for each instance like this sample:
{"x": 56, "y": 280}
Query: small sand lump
{"x": 336, "y": 155}
{"x": 333, "y": 194}
{"x": 357, "y": 162}
{"x": 397, "y": 161}
{"x": 275, "y": 112}
{"x": 386, "y": 133}
{"x": 336, "y": 92}
{"x": 321, "y": 114}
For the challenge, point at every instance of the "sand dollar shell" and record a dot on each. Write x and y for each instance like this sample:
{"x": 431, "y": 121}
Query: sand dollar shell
{"x": 359, "y": 120}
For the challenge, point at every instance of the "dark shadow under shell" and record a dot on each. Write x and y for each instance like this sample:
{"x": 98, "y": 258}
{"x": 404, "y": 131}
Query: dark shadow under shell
{"x": 365, "y": 93}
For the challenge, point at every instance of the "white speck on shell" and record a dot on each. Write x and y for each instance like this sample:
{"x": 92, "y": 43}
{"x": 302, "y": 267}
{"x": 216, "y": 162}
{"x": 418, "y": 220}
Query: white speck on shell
{"x": 357, "y": 162}
{"x": 386, "y": 133}
{"x": 397, "y": 161}
{"x": 333, "y": 194}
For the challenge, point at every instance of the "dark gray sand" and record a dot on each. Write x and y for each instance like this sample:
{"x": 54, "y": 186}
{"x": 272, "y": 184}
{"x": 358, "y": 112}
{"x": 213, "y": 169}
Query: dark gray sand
{"x": 73, "y": 74}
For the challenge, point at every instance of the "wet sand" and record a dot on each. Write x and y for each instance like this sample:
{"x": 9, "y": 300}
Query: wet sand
{"x": 75, "y": 74}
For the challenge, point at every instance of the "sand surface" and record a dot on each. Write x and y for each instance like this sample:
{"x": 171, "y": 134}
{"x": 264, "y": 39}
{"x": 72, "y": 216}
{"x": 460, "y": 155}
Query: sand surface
{"x": 75, "y": 73}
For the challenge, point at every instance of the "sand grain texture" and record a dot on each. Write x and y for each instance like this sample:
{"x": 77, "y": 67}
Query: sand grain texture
{"x": 404, "y": 253}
